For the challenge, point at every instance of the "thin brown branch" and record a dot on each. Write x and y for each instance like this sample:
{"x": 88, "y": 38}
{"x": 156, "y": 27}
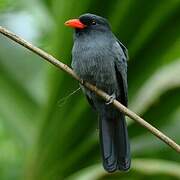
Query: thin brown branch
{"x": 99, "y": 92}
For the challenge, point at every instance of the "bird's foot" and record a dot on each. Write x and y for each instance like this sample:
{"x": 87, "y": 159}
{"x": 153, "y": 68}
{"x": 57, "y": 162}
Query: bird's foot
{"x": 111, "y": 99}
{"x": 81, "y": 81}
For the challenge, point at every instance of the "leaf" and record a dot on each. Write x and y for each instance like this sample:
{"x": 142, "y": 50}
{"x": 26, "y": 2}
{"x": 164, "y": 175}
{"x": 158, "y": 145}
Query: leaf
{"x": 142, "y": 166}
{"x": 160, "y": 14}
{"x": 164, "y": 79}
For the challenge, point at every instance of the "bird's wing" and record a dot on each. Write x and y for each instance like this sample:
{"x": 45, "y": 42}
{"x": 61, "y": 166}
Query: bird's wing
{"x": 125, "y": 51}
{"x": 90, "y": 101}
{"x": 121, "y": 57}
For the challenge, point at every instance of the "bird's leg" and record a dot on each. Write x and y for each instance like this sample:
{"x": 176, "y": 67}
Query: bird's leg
{"x": 111, "y": 99}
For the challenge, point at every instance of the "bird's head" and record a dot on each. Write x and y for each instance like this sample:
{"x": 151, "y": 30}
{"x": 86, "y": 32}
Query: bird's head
{"x": 89, "y": 22}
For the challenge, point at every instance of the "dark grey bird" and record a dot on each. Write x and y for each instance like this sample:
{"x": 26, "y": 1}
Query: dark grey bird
{"x": 101, "y": 59}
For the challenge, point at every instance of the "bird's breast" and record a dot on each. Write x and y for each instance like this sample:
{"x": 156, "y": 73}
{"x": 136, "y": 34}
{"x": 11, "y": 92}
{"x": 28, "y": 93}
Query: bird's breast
{"x": 94, "y": 64}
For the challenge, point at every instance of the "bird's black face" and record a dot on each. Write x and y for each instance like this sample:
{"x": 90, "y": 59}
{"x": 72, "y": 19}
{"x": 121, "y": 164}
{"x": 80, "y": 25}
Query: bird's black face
{"x": 88, "y": 22}
{"x": 94, "y": 22}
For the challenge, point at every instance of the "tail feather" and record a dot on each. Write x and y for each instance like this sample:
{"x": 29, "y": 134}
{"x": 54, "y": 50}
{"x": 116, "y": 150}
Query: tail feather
{"x": 122, "y": 144}
{"x": 107, "y": 141}
{"x": 114, "y": 144}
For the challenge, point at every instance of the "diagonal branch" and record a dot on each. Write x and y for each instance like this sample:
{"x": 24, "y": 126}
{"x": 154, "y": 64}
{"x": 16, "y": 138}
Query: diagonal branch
{"x": 99, "y": 92}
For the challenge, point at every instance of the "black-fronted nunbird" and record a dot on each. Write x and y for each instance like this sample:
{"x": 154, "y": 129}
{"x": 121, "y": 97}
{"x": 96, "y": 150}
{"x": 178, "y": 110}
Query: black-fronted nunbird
{"x": 101, "y": 59}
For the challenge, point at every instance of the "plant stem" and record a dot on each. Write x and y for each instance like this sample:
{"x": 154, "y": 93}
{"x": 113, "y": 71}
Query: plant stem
{"x": 93, "y": 88}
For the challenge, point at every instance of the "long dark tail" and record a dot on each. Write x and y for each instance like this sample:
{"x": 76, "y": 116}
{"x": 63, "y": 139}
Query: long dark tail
{"x": 114, "y": 144}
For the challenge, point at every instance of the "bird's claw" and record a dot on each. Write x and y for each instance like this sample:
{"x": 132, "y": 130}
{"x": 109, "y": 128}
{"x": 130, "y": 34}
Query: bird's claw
{"x": 111, "y": 99}
{"x": 81, "y": 81}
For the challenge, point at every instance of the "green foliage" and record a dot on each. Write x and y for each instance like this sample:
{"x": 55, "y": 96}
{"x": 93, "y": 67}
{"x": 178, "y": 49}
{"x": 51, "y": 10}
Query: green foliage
{"x": 45, "y": 137}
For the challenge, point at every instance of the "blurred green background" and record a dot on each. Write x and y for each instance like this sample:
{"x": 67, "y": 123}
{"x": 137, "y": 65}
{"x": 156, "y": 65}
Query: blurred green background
{"x": 46, "y": 137}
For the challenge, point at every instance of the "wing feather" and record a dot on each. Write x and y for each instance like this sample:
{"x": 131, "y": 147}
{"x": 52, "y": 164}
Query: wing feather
{"x": 121, "y": 58}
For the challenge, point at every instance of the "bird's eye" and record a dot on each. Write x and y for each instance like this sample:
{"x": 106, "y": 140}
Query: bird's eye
{"x": 93, "y": 22}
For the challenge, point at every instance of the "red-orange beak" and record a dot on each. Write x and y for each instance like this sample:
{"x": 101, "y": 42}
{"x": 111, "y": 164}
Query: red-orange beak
{"x": 75, "y": 23}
